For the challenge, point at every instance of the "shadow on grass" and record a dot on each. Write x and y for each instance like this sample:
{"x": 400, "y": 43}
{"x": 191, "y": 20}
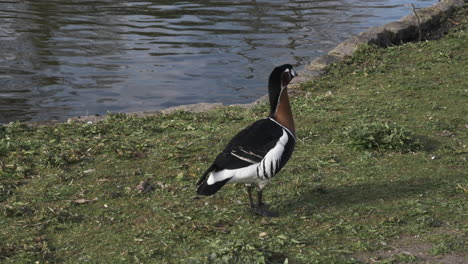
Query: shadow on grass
{"x": 365, "y": 193}
{"x": 427, "y": 144}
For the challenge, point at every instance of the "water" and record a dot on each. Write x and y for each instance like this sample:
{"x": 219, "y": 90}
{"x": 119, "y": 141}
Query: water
{"x": 62, "y": 58}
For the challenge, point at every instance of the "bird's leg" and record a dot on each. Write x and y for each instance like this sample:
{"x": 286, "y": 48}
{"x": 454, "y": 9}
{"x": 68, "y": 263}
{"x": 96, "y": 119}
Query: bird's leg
{"x": 260, "y": 198}
{"x": 262, "y": 208}
{"x": 249, "y": 191}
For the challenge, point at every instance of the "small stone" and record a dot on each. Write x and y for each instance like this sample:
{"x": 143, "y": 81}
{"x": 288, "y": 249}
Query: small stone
{"x": 263, "y": 234}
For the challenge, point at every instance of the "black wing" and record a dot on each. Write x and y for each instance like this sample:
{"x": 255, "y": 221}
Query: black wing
{"x": 249, "y": 145}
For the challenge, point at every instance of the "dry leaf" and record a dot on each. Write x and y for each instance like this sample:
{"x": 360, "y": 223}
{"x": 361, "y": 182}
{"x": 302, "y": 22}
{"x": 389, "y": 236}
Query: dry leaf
{"x": 84, "y": 201}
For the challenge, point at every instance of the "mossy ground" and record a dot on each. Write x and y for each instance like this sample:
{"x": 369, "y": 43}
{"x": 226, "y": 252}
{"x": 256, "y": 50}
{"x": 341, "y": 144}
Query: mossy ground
{"x": 68, "y": 192}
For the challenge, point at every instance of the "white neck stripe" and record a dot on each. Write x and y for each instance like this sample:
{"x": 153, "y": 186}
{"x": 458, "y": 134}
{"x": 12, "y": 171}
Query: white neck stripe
{"x": 285, "y": 128}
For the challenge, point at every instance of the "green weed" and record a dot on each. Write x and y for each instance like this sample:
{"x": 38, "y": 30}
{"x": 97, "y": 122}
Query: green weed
{"x": 380, "y": 136}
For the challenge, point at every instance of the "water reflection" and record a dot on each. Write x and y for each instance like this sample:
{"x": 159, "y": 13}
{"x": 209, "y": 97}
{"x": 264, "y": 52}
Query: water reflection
{"x": 60, "y": 58}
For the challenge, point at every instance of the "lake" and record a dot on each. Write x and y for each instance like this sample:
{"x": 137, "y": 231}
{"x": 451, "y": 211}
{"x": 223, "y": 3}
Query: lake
{"x": 62, "y": 58}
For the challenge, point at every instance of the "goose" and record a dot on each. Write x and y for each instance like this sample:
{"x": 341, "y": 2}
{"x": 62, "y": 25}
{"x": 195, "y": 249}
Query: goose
{"x": 258, "y": 152}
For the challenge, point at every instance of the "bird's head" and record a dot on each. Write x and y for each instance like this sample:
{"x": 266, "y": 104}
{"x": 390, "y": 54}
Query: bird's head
{"x": 279, "y": 79}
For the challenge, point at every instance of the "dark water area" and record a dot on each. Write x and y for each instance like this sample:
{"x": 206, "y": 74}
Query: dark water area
{"x": 62, "y": 58}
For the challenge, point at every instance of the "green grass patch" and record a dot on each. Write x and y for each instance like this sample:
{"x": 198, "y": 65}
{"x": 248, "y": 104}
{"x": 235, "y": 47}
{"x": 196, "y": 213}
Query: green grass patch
{"x": 380, "y": 160}
{"x": 380, "y": 136}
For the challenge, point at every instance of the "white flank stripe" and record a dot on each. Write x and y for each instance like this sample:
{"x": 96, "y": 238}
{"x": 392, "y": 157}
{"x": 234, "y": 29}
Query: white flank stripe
{"x": 246, "y": 174}
{"x": 268, "y": 167}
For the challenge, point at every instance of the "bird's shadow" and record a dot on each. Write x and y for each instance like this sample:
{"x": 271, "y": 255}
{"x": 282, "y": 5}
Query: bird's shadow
{"x": 428, "y": 144}
{"x": 347, "y": 195}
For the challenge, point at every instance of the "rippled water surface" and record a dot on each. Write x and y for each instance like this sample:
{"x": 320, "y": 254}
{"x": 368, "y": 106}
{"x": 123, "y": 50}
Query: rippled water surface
{"x": 61, "y": 58}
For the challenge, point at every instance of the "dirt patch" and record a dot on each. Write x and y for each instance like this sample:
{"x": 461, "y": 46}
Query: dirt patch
{"x": 449, "y": 23}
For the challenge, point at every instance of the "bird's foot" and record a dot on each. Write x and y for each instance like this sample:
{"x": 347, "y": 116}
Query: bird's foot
{"x": 262, "y": 210}
{"x": 256, "y": 206}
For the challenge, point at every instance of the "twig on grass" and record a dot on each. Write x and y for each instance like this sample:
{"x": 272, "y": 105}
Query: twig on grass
{"x": 419, "y": 22}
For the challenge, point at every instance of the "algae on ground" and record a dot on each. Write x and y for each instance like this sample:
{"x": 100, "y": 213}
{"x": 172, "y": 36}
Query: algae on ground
{"x": 68, "y": 191}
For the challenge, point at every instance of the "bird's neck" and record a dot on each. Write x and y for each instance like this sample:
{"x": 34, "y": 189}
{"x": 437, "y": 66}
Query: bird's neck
{"x": 283, "y": 113}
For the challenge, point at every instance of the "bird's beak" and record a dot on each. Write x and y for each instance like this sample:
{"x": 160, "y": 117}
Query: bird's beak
{"x": 293, "y": 73}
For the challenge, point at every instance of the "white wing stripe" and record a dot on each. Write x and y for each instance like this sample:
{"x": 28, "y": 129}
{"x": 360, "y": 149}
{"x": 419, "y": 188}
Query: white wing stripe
{"x": 251, "y": 153}
{"x": 243, "y": 158}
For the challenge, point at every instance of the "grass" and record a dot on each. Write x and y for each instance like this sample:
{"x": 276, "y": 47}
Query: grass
{"x": 357, "y": 185}
{"x": 380, "y": 136}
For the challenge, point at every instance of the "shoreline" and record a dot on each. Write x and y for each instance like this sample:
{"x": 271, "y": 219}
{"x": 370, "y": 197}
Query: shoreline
{"x": 426, "y": 24}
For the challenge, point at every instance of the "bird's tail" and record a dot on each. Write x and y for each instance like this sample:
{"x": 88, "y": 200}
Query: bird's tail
{"x": 203, "y": 188}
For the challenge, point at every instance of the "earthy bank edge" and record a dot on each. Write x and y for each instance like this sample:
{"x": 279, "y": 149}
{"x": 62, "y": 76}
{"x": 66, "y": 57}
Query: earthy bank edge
{"x": 420, "y": 25}
{"x": 409, "y": 28}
